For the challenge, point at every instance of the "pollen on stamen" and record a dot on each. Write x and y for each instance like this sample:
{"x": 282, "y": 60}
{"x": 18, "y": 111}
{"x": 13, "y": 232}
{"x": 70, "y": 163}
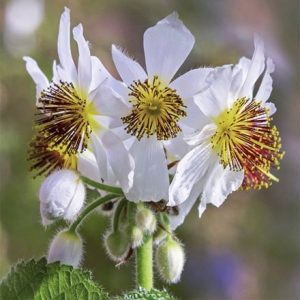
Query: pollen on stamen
{"x": 63, "y": 117}
{"x": 46, "y": 156}
{"x": 156, "y": 110}
{"x": 245, "y": 140}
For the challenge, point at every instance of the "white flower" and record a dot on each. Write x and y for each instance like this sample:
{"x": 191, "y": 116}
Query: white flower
{"x": 237, "y": 146}
{"x": 75, "y": 111}
{"x": 67, "y": 248}
{"x": 61, "y": 195}
{"x": 156, "y": 107}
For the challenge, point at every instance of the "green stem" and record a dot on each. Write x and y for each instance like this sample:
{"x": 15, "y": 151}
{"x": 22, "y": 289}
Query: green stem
{"x": 117, "y": 213}
{"x": 89, "y": 209}
{"x": 101, "y": 186}
{"x": 144, "y": 264}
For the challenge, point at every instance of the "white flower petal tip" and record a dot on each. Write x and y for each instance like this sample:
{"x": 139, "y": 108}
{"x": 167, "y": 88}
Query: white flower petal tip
{"x": 36, "y": 74}
{"x": 67, "y": 248}
{"x": 77, "y": 30}
{"x": 61, "y": 195}
{"x": 201, "y": 209}
{"x": 258, "y": 42}
{"x": 166, "y": 46}
{"x": 128, "y": 69}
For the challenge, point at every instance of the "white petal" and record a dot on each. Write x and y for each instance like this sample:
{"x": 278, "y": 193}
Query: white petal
{"x": 266, "y": 85}
{"x": 63, "y": 46}
{"x": 236, "y": 84}
{"x": 256, "y": 68}
{"x": 185, "y": 207}
{"x": 109, "y": 103}
{"x": 200, "y": 137}
{"x": 87, "y": 165}
{"x": 214, "y": 99}
{"x": 119, "y": 159}
{"x": 128, "y": 69}
{"x": 99, "y": 74}
{"x": 84, "y": 59}
{"x": 166, "y": 46}
{"x": 151, "y": 179}
{"x": 36, "y": 74}
{"x": 189, "y": 171}
{"x": 191, "y": 83}
{"x": 219, "y": 184}
{"x": 195, "y": 117}
{"x": 55, "y": 77}
{"x": 99, "y": 151}
{"x": 176, "y": 147}
{"x": 271, "y": 108}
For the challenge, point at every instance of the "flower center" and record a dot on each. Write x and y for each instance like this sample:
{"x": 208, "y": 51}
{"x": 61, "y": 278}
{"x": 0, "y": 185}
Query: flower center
{"x": 245, "y": 140}
{"x": 156, "y": 110}
{"x": 47, "y": 156}
{"x": 66, "y": 117}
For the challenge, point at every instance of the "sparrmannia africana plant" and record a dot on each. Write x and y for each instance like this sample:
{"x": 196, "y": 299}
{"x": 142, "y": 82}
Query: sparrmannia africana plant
{"x": 149, "y": 145}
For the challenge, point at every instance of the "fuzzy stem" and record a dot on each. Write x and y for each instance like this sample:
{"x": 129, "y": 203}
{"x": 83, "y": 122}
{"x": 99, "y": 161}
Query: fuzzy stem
{"x": 88, "y": 209}
{"x": 144, "y": 264}
{"x": 101, "y": 186}
{"x": 117, "y": 213}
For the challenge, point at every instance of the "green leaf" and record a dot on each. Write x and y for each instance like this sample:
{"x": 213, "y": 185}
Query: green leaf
{"x": 35, "y": 280}
{"x": 142, "y": 294}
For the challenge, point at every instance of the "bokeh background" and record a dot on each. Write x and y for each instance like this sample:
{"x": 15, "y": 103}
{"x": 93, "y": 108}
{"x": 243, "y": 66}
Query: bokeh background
{"x": 247, "y": 249}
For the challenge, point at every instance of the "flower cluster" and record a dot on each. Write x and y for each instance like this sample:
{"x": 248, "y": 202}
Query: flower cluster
{"x": 151, "y": 145}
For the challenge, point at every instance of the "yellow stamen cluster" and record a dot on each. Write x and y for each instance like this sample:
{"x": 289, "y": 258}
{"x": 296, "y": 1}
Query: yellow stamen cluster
{"x": 245, "y": 140}
{"x": 64, "y": 116}
{"x": 46, "y": 156}
{"x": 64, "y": 122}
{"x": 156, "y": 110}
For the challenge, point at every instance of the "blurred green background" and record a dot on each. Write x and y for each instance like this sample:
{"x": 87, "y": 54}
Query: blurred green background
{"x": 247, "y": 249}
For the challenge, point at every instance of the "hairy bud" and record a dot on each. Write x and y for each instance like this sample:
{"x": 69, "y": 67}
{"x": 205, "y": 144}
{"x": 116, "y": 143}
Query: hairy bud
{"x": 136, "y": 236}
{"x": 145, "y": 220}
{"x": 170, "y": 260}
{"x": 116, "y": 244}
{"x": 67, "y": 248}
{"x": 61, "y": 195}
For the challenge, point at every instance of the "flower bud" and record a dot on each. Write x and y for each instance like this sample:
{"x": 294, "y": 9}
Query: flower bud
{"x": 62, "y": 195}
{"x": 170, "y": 260}
{"x": 67, "y": 248}
{"x": 145, "y": 219}
{"x": 116, "y": 244}
{"x": 136, "y": 236}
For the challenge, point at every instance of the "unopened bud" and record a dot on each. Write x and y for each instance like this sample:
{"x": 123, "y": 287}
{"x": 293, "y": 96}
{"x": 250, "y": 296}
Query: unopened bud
{"x": 116, "y": 244}
{"x": 170, "y": 260}
{"x": 136, "y": 236}
{"x": 67, "y": 248}
{"x": 145, "y": 219}
{"x": 62, "y": 195}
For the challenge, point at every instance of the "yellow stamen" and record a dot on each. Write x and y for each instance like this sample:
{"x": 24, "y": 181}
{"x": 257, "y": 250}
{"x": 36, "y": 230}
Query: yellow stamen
{"x": 156, "y": 110}
{"x": 66, "y": 117}
{"x": 245, "y": 140}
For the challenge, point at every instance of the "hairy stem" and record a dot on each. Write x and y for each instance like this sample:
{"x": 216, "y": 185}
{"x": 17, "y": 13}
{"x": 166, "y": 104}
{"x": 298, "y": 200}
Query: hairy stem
{"x": 144, "y": 264}
{"x": 101, "y": 186}
{"x": 88, "y": 209}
